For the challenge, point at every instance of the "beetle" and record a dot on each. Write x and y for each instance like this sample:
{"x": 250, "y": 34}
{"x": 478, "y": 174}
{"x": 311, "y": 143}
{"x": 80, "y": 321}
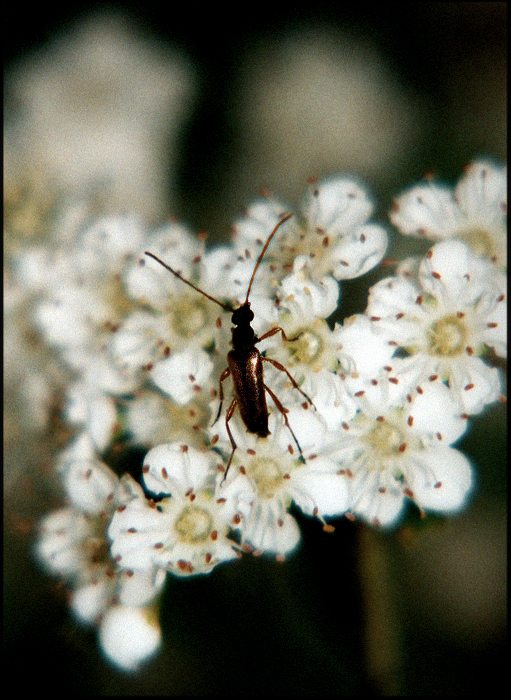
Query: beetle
{"x": 245, "y": 362}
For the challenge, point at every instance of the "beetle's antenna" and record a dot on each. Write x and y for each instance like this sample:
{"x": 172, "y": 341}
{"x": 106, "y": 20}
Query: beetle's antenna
{"x": 226, "y": 307}
{"x": 265, "y": 247}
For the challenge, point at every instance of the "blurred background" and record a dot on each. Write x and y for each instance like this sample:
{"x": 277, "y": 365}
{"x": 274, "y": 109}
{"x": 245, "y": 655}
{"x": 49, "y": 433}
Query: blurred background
{"x": 188, "y": 112}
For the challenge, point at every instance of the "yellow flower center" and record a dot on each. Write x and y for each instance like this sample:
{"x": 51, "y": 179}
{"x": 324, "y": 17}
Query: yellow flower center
{"x": 189, "y": 316}
{"x": 447, "y": 337}
{"x": 385, "y": 439}
{"x": 267, "y": 476}
{"x": 309, "y": 348}
{"x": 194, "y": 525}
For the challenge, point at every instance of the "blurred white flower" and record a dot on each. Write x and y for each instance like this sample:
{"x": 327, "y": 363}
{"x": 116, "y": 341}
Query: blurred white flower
{"x": 315, "y": 102}
{"x": 129, "y": 636}
{"x": 73, "y": 542}
{"x": 99, "y": 112}
{"x": 151, "y": 419}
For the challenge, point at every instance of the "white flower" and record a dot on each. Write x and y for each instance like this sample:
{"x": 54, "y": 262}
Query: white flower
{"x": 32, "y": 375}
{"x": 445, "y": 320}
{"x": 129, "y": 636}
{"x": 334, "y": 237}
{"x": 390, "y": 453}
{"x": 267, "y": 474}
{"x": 73, "y": 542}
{"x": 186, "y": 530}
{"x": 174, "y": 317}
{"x": 474, "y": 212}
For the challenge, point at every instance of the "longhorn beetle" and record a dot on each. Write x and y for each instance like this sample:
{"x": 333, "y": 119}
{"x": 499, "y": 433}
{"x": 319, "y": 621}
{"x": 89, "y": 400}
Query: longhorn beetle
{"x": 245, "y": 363}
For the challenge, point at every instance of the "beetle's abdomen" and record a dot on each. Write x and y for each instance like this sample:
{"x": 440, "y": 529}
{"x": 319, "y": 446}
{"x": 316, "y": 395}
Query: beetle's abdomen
{"x": 247, "y": 374}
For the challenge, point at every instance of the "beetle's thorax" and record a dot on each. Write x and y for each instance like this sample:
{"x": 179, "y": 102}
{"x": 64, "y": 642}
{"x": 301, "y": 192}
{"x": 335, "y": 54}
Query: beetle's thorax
{"x": 243, "y": 336}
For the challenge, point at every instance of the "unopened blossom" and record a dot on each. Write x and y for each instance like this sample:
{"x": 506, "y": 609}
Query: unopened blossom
{"x": 267, "y": 474}
{"x": 130, "y": 636}
{"x": 392, "y": 453}
{"x": 475, "y": 211}
{"x": 445, "y": 320}
{"x": 333, "y": 235}
{"x": 186, "y": 529}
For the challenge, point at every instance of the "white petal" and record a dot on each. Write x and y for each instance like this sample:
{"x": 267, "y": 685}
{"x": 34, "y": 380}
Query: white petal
{"x": 377, "y": 498}
{"x": 81, "y": 448}
{"x": 151, "y": 283}
{"x": 482, "y": 192}
{"x": 331, "y": 398}
{"x": 261, "y": 218}
{"x": 359, "y": 253}
{"x": 139, "y": 587}
{"x": 436, "y": 412}
{"x": 338, "y": 205}
{"x": 308, "y": 425}
{"x": 269, "y": 532}
{"x": 315, "y": 487}
{"x": 90, "y": 485}
{"x": 495, "y": 333}
{"x": 426, "y": 210}
{"x": 135, "y": 530}
{"x": 318, "y": 298}
{"x": 32, "y": 267}
{"x": 475, "y": 384}
{"x": 127, "y": 489}
{"x": 170, "y": 466}
{"x": 60, "y": 543}
{"x": 89, "y": 601}
{"x": 391, "y": 298}
{"x": 113, "y": 238}
{"x": 441, "y": 479}
{"x": 183, "y": 375}
{"x": 134, "y": 344}
{"x": 102, "y": 420}
{"x": 452, "y": 272}
{"x": 129, "y": 636}
{"x": 363, "y": 351}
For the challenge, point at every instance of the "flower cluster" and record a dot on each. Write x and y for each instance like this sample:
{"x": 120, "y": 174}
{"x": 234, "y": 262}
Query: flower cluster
{"x": 163, "y": 476}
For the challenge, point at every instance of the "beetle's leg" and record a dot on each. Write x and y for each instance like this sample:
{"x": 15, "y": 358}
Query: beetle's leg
{"x": 278, "y": 329}
{"x": 281, "y": 367}
{"x": 228, "y": 417}
{"x": 223, "y": 377}
{"x": 284, "y": 412}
